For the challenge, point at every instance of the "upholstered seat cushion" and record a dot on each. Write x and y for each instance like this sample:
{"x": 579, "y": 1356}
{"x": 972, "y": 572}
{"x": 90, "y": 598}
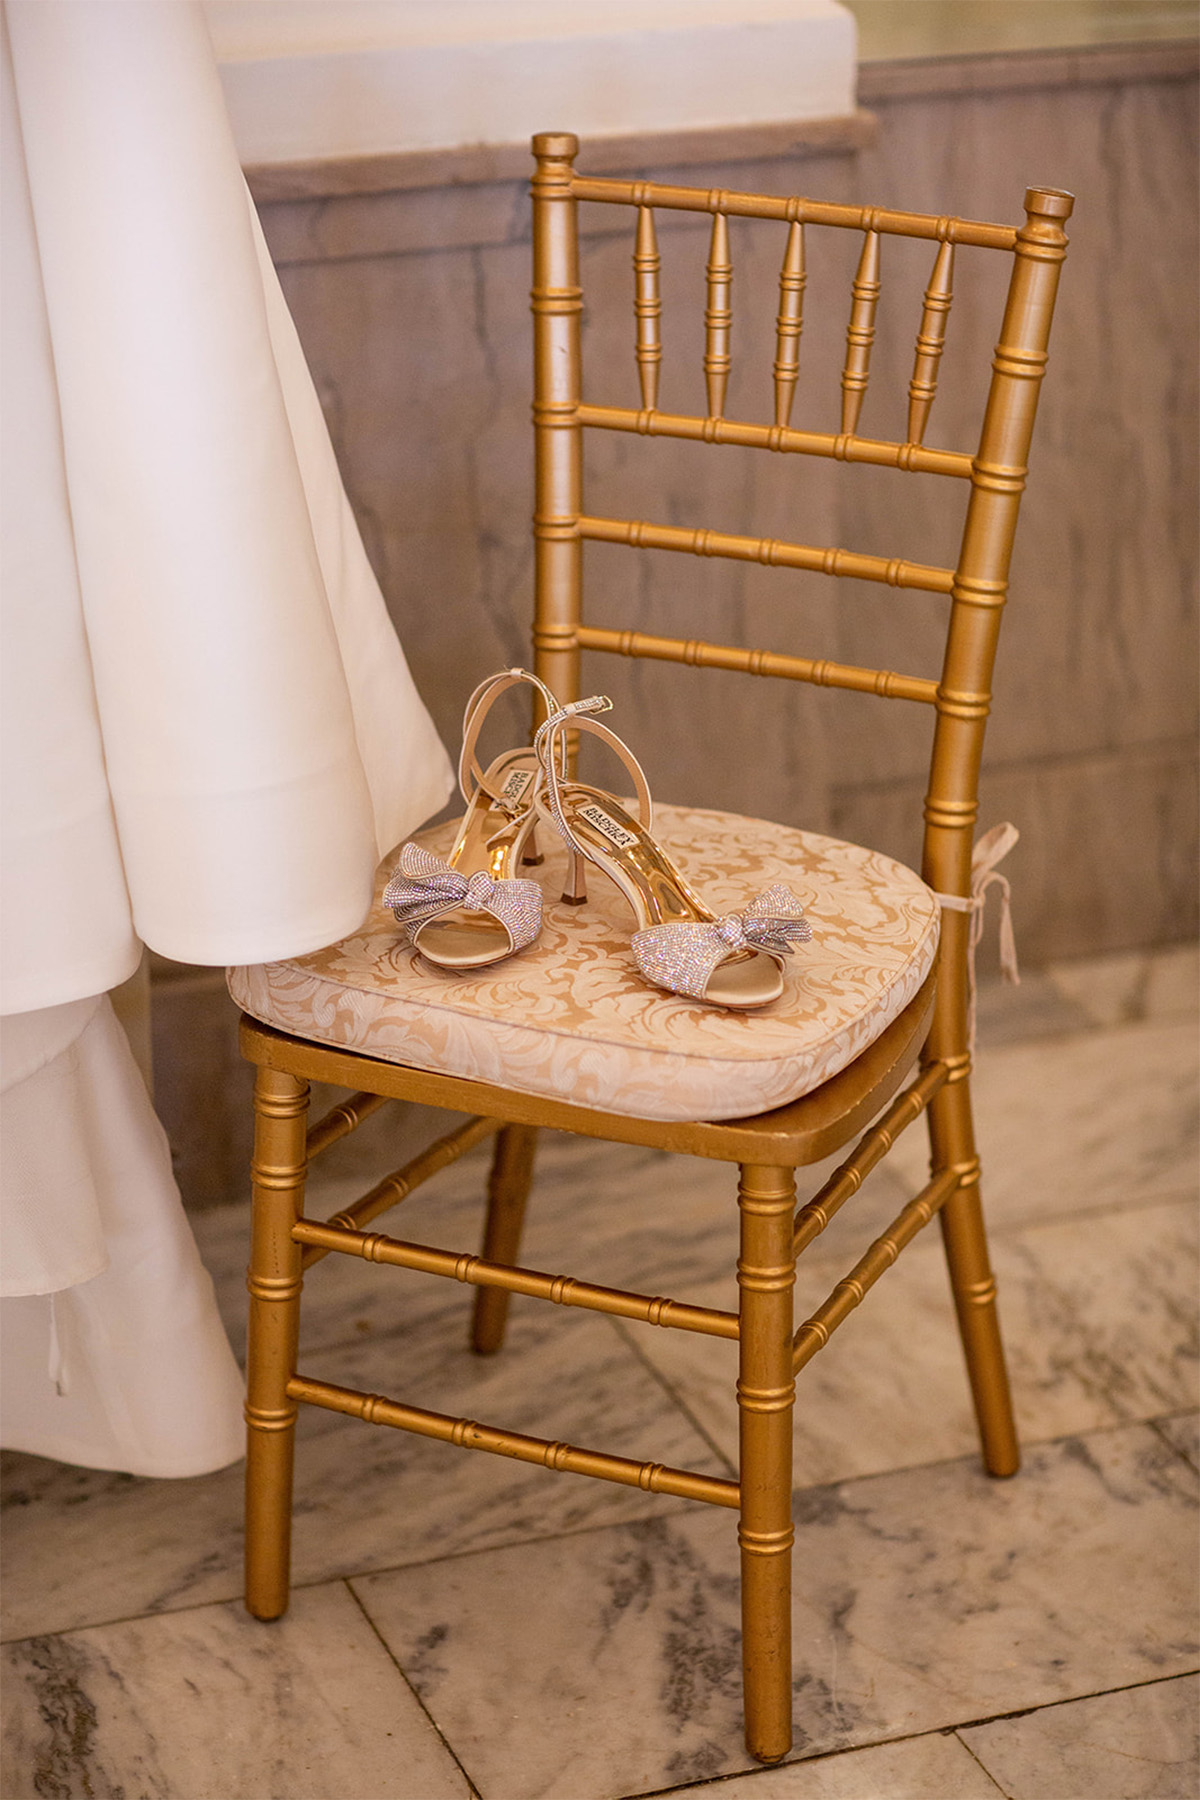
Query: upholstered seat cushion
{"x": 572, "y": 1018}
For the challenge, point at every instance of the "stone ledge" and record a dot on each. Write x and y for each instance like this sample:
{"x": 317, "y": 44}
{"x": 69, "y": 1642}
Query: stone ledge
{"x": 475, "y": 165}
{"x": 1003, "y": 71}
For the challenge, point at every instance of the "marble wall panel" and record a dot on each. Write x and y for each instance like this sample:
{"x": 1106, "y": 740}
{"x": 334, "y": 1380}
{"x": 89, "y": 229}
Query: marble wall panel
{"x": 413, "y": 310}
{"x": 1107, "y": 851}
{"x": 202, "y": 1088}
{"x": 332, "y": 227}
{"x": 1097, "y": 650}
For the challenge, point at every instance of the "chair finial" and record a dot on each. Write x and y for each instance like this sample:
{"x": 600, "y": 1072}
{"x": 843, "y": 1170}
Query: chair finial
{"x": 563, "y": 144}
{"x": 1051, "y": 203}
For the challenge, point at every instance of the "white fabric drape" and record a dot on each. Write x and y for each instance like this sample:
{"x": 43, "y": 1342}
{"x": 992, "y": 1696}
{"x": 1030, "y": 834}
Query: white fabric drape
{"x": 128, "y": 1366}
{"x": 214, "y": 726}
{"x": 209, "y": 731}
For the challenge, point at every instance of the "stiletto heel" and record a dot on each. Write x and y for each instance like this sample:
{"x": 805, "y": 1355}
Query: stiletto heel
{"x": 468, "y": 910}
{"x": 575, "y": 891}
{"x": 532, "y": 857}
{"x": 734, "y": 961}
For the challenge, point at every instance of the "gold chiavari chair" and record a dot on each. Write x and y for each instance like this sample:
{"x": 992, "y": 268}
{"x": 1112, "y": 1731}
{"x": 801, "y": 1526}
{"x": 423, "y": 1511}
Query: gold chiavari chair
{"x": 510, "y": 1050}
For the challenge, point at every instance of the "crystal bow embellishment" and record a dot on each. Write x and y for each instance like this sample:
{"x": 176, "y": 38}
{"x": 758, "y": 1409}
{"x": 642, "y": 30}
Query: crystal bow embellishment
{"x": 682, "y": 957}
{"x": 424, "y": 885}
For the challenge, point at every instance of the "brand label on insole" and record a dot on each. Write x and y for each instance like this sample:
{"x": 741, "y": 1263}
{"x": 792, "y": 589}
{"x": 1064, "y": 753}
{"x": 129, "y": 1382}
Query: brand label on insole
{"x": 517, "y": 786}
{"x": 616, "y": 834}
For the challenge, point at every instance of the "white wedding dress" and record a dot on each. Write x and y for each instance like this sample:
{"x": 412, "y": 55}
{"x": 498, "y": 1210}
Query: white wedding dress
{"x": 210, "y": 733}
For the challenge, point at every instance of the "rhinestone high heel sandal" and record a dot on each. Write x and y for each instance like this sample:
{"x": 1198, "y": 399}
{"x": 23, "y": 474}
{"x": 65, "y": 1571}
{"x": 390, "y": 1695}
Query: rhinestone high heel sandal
{"x": 469, "y": 909}
{"x": 734, "y": 961}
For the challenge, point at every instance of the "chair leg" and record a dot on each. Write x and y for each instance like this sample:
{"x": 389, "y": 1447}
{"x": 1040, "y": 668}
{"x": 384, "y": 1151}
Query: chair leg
{"x": 766, "y": 1392}
{"x": 952, "y": 1139}
{"x": 274, "y": 1281}
{"x": 508, "y": 1191}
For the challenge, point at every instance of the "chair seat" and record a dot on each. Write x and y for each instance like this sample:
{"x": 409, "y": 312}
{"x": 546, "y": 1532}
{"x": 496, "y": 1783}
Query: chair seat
{"x": 571, "y": 1019}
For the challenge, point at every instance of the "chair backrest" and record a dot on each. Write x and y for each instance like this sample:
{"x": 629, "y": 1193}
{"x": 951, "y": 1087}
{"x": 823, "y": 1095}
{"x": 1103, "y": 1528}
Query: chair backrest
{"x": 976, "y": 587}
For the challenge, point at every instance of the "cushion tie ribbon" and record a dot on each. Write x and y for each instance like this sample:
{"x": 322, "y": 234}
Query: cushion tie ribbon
{"x": 991, "y": 849}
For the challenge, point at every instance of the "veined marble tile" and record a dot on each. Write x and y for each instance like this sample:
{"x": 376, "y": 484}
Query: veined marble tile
{"x": 213, "y": 1705}
{"x": 369, "y": 1497}
{"x": 936, "y": 1767}
{"x": 1101, "y": 1319}
{"x": 82, "y": 1547}
{"x": 1173, "y": 982}
{"x": 924, "y": 1599}
{"x": 1183, "y": 1431}
{"x": 1139, "y": 1744}
{"x": 1033, "y": 1009}
{"x": 1099, "y": 1327}
{"x": 1112, "y": 990}
{"x": 1108, "y": 1116}
{"x": 611, "y": 1213}
{"x": 1085, "y": 992}
{"x": 605, "y": 1212}
{"x": 346, "y": 1298}
{"x": 667, "y": 1224}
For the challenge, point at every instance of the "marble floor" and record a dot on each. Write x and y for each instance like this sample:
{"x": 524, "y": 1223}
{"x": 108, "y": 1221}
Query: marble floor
{"x": 467, "y": 1626}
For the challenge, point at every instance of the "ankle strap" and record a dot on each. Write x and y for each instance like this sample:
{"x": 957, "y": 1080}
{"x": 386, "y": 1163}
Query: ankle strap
{"x": 476, "y": 711}
{"x": 551, "y": 752}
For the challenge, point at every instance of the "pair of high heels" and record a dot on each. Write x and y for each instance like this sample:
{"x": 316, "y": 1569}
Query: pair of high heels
{"x": 471, "y": 908}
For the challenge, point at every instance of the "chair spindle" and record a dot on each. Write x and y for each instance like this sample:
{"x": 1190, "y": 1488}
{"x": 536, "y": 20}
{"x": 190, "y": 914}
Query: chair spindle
{"x": 861, "y": 333}
{"x": 647, "y": 305}
{"x": 930, "y": 341}
{"x": 718, "y": 317}
{"x": 790, "y": 323}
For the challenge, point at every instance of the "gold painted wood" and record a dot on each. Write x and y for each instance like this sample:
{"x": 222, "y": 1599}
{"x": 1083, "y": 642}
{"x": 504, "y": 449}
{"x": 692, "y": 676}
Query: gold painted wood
{"x": 816, "y": 1332}
{"x": 759, "y": 662}
{"x": 274, "y": 1281}
{"x": 860, "y": 334}
{"x": 652, "y": 1478}
{"x": 981, "y": 577}
{"x": 508, "y": 1193}
{"x": 951, "y": 802}
{"x": 402, "y": 1182}
{"x": 974, "y": 1289}
{"x": 647, "y": 306}
{"x": 769, "y": 1147}
{"x": 718, "y": 317}
{"x": 766, "y": 1392}
{"x": 931, "y": 339}
{"x": 846, "y": 1180}
{"x": 773, "y": 206}
{"x": 557, "y": 303}
{"x": 341, "y": 1120}
{"x": 910, "y": 457}
{"x": 790, "y": 323}
{"x": 802, "y": 1132}
{"x": 562, "y": 1290}
{"x": 640, "y": 534}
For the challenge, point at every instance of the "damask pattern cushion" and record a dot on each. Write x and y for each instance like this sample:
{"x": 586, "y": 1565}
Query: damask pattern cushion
{"x": 571, "y": 1017}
